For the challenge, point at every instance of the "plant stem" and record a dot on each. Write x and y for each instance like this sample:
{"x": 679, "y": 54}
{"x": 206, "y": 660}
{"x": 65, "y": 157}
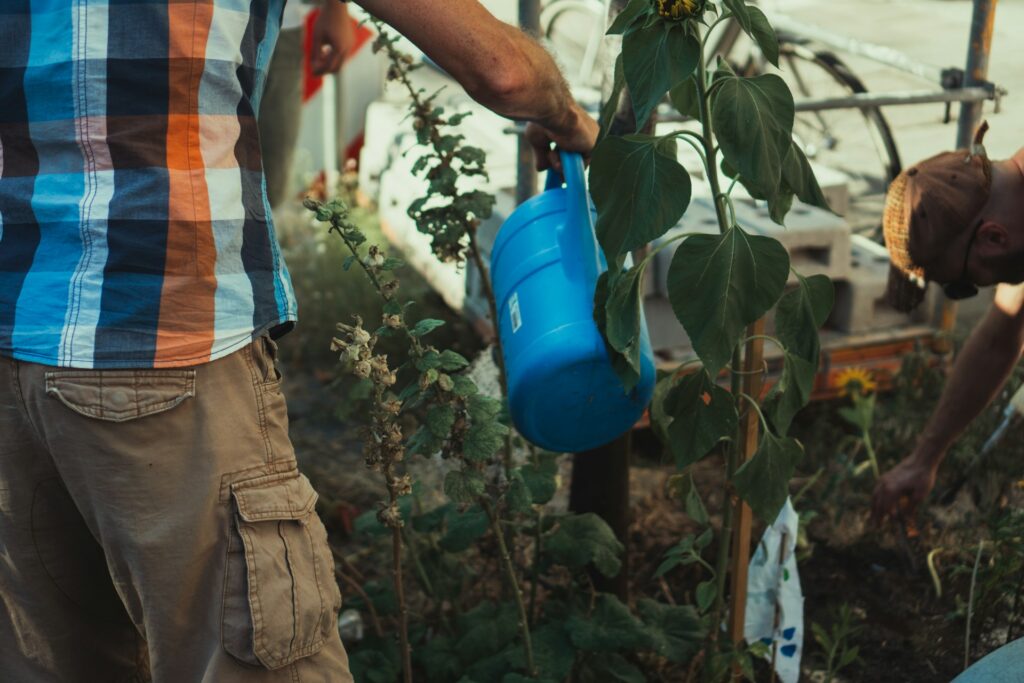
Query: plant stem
{"x": 403, "y": 610}
{"x": 510, "y": 574}
{"x": 536, "y": 564}
{"x": 970, "y": 606}
{"x": 709, "y": 149}
{"x": 428, "y": 587}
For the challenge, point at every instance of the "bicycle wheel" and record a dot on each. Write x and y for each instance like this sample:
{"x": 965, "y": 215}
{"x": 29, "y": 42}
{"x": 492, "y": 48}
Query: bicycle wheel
{"x": 575, "y": 29}
{"x": 855, "y": 142}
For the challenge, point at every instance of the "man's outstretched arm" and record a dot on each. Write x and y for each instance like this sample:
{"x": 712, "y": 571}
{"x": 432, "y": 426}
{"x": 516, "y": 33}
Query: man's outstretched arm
{"x": 979, "y": 372}
{"x": 499, "y": 66}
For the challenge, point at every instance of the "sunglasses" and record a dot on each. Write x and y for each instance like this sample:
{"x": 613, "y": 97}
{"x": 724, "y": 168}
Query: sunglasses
{"x": 962, "y": 287}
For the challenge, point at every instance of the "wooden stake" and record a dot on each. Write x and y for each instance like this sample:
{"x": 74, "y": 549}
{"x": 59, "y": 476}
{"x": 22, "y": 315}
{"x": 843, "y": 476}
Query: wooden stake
{"x": 750, "y": 424}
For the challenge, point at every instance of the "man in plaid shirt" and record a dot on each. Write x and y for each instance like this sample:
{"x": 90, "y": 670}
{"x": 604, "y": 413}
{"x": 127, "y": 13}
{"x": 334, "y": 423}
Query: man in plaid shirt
{"x": 152, "y": 519}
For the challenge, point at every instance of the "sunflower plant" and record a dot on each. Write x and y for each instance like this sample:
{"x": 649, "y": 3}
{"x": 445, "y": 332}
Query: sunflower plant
{"x": 719, "y": 285}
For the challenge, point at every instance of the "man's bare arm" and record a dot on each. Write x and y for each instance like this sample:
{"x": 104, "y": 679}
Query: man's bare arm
{"x": 499, "y": 66}
{"x": 979, "y": 372}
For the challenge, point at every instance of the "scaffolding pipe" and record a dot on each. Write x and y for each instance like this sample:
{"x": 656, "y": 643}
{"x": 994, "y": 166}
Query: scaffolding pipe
{"x": 979, "y": 46}
{"x": 526, "y": 171}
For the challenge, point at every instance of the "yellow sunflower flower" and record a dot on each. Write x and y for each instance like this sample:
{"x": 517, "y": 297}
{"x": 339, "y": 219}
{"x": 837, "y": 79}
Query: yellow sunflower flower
{"x": 676, "y": 9}
{"x": 856, "y": 380}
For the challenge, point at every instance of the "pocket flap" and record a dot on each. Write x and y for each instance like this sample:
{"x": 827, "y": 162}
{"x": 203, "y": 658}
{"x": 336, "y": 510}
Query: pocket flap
{"x": 292, "y": 498}
{"x": 121, "y": 395}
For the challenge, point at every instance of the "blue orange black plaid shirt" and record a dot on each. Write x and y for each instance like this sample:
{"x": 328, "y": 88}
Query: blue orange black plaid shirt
{"x": 134, "y": 225}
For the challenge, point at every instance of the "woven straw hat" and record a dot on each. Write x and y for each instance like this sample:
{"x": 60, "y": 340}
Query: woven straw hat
{"x": 928, "y": 207}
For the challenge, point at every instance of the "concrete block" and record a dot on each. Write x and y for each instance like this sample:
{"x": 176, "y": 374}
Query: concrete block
{"x": 860, "y": 304}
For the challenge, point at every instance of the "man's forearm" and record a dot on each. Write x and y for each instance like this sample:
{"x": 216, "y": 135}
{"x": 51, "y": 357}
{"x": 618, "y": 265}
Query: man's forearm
{"x": 979, "y": 372}
{"x": 498, "y": 65}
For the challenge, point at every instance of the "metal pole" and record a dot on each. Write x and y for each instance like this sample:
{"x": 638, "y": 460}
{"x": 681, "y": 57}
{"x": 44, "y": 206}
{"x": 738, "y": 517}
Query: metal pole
{"x": 978, "y": 47}
{"x": 526, "y": 175}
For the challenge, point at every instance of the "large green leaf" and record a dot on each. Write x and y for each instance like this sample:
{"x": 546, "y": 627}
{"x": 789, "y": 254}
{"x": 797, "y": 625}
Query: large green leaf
{"x": 483, "y": 439}
{"x": 629, "y": 16}
{"x": 763, "y": 481}
{"x": 579, "y": 540}
{"x": 740, "y": 11}
{"x": 719, "y": 284}
{"x": 801, "y": 312}
{"x": 609, "y": 627}
{"x": 518, "y": 495}
{"x": 763, "y": 34}
{"x": 702, "y": 414}
{"x": 798, "y": 316}
{"x": 655, "y": 58}
{"x": 753, "y": 120}
{"x": 798, "y": 178}
{"x": 627, "y": 374}
{"x": 624, "y": 309}
{"x": 611, "y": 105}
{"x": 639, "y": 189}
{"x": 685, "y": 98}
{"x": 790, "y": 393}
{"x": 676, "y": 632}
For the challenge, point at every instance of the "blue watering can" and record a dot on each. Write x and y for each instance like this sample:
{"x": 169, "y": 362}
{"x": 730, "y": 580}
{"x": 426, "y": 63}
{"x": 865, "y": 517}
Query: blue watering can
{"x": 563, "y": 394}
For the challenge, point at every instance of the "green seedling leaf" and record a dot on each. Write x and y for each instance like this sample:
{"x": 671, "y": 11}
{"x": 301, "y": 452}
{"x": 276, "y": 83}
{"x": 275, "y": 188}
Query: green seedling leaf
{"x": 610, "y": 627}
{"x": 655, "y": 59}
{"x": 763, "y": 481}
{"x": 451, "y": 361}
{"x": 464, "y": 528}
{"x": 391, "y": 263}
{"x": 464, "y": 486}
{"x": 518, "y": 495}
{"x": 639, "y": 189}
{"x": 611, "y": 105}
{"x": 753, "y": 119}
{"x": 486, "y": 629}
{"x": 579, "y": 540}
{"x": 705, "y": 595}
{"x": 439, "y": 419}
{"x": 629, "y": 16}
{"x": 702, "y": 414}
{"x": 541, "y": 477}
{"x": 609, "y": 667}
{"x": 623, "y": 311}
{"x": 463, "y": 386}
{"x": 439, "y": 658}
{"x": 483, "y": 440}
{"x": 553, "y": 652}
{"x": 675, "y": 632}
{"x": 482, "y": 408}
{"x": 425, "y": 326}
{"x": 719, "y": 284}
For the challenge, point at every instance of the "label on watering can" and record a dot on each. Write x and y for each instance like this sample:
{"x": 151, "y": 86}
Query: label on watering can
{"x": 513, "y": 311}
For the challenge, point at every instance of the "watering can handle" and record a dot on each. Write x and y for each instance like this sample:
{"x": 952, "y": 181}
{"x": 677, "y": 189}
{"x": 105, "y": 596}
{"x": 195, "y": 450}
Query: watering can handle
{"x": 579, "y": 246}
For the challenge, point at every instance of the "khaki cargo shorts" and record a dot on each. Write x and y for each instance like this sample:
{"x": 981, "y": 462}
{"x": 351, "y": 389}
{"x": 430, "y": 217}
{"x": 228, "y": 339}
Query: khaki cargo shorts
{"x": 153, "y": 526}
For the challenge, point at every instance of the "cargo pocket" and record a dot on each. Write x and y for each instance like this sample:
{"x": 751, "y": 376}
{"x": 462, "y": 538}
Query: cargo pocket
{"x": 280, "y": 597}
